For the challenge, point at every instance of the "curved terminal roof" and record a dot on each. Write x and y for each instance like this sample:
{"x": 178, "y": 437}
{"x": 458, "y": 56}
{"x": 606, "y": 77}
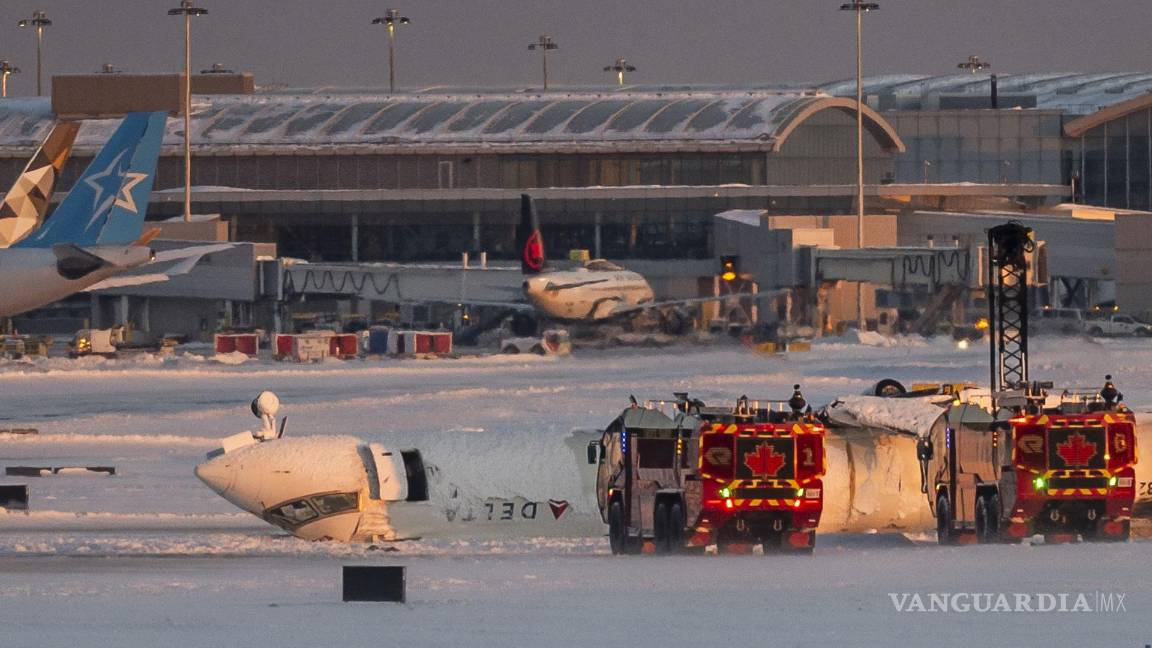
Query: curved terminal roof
{"x": 649, "y": 118}
{"x": 1078, "y": 127}
{"x": 1073, "y": 92}
{"x": 758, "y": 120}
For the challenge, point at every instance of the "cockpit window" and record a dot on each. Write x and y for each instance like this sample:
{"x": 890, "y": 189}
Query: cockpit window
{"x": 290, "y": 515}
{"x": 335, "y": 503}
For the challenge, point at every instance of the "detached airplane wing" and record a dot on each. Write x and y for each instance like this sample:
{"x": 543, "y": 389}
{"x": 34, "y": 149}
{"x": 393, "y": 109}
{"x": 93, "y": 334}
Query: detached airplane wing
{"x": 903, "y": 416}
{"x": 188, "y": 258}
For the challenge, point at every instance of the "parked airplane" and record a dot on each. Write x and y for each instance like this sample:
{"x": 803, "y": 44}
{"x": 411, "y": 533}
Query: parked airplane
{"x": 96, "y": 232}
{"x": 597, "y": 291}
{"x": 26, "y": 203}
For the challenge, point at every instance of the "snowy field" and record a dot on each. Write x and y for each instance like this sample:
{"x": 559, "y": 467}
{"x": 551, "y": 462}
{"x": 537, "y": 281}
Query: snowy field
{"x": 152, "y": 557}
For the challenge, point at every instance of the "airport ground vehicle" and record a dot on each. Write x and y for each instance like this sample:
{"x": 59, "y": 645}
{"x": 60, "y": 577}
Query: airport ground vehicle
{"x": 1113, "y": 325}
{"x": 1060, "y": 465}
{"x": 681, "y": 475}
{"x": 550, "y": 342}
{"x": 114, "y": 341}
{"x": 1065, "y": 321}
{"x": 1021, "y": 458}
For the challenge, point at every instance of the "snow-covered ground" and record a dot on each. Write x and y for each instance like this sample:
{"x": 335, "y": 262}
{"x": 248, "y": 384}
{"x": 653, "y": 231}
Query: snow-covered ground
{"x": 153, "y": 557}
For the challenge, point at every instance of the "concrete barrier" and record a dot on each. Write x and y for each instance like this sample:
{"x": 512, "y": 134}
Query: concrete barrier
{"x": 14, "y": 496}
{"x": 44, "y": 471}
{"x": 375, "y": 583}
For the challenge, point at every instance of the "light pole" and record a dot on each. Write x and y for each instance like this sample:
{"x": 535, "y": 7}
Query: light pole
{"x": 620, "y": 67}
{"x": 544, "y": 43}
{"x": 187, "y": 9}
{"x": 974, "y": 64}
{"x": 39, "y": 20}
{"x": 6, "y": 69}
{"x": 390, "y": 19}
{"x": 860, "y": 8}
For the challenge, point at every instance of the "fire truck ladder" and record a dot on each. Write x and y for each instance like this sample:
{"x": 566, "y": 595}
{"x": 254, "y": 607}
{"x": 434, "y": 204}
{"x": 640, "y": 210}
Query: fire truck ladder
{"x": 1008, "y": 248}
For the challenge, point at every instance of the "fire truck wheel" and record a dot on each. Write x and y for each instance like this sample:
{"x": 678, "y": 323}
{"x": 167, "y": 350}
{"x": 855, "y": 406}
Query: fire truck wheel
{"x": 660, "y": 527}
{"x": 945, "y": 534}
{"x": 982, "y": 520}
{"x": 675, "y": 526}
{"x": 811, "y": 548}
{"x": 1125, "y": 532}
{"x": 617, "y": 537}
{"x": 994, "y": 513}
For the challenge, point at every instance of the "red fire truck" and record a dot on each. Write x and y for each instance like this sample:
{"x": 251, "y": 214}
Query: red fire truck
{"x": 680, "y": 474}
{"x": 1061, "y": 468}
{"x": 1021, "y": 458}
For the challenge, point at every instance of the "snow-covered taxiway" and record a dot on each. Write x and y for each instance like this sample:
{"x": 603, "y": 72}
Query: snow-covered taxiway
{"x": 152, "y": 556}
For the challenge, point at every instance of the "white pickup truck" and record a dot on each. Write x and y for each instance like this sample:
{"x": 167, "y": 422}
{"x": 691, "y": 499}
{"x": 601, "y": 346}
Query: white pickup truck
{"x": 1117, "y": 326}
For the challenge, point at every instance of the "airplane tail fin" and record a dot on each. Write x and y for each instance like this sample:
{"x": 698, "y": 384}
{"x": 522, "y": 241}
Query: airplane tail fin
{"x": 25, "y": 204}
{"x": 528, "y": 238}
{"x": 107, "y": 204}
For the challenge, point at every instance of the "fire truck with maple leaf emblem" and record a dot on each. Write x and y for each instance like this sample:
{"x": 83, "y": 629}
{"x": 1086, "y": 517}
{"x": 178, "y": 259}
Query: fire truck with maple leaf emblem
{"x": 1061, "y": 465}
{"x": 1022, "y": 458}
{"x": 679, "y": 474}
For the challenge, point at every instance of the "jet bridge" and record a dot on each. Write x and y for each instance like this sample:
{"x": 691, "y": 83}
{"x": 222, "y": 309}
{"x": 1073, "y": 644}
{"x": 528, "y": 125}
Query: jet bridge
{"x": 902, "y": 267}
{"x": 943, "y": 273}
{"x": 398, "y": 283}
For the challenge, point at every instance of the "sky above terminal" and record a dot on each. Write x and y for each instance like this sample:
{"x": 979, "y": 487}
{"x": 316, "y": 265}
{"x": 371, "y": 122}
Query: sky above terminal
{"x": 300, "y": 43}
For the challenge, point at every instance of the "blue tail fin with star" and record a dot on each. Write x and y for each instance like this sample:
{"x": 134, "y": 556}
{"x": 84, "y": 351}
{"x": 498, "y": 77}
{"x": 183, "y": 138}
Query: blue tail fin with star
{"x": 107, "y": 204}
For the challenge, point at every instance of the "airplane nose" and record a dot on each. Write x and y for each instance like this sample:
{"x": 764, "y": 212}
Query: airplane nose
{"x": 217, "y": 474}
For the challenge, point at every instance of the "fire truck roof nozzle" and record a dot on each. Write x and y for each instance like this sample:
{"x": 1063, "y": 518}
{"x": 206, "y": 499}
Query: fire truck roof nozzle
{"x": 797, "y": 402}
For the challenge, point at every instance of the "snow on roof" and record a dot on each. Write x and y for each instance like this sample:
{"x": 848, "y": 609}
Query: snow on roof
{"x": 314, "y": 119}
{"x": 668, "y": 112}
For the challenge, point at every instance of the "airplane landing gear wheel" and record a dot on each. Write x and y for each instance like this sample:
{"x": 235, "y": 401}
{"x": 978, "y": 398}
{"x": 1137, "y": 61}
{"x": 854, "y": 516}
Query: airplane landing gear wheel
{"x": 675, "y": 322}
{"x": 524, "y": 325}
{"x": 889, "y": 388}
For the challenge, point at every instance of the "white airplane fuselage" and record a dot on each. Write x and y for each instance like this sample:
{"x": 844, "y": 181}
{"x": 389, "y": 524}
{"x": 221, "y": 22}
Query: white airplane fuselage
{"x": 340, "y": 488}
{"x": 586, "y": 295}
{"x": 31, "y": 277}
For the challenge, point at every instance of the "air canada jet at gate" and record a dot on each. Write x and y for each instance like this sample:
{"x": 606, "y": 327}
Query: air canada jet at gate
{"x": 97, "y": 231}
{"x": 598, "y": 291}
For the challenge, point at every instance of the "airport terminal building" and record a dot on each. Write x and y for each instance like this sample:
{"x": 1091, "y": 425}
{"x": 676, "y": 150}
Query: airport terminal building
{"x": 424, "y": 177}
{"x": 628, "y": 172}
{"x": 634, "y": 173}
